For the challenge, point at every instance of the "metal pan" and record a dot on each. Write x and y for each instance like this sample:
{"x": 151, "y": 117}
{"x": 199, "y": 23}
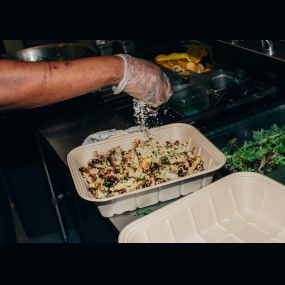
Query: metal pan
{"x": 55, "y": 52}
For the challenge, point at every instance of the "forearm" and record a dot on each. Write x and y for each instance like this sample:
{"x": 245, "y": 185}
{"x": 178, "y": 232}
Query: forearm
{"x": 29, "y": 85}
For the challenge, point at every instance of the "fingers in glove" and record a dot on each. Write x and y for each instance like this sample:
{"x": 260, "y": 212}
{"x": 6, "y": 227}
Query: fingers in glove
{"x": 146, "y": 81}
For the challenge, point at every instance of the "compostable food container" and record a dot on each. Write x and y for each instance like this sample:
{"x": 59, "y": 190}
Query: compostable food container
{"x": 213, "y": 160}
{"x": 240, "y": 208}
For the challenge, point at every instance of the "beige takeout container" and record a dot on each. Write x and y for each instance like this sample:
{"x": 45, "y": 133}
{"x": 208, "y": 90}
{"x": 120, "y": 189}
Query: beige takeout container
{"x": 240, "y": 208}
{"x": 213, "y": 160}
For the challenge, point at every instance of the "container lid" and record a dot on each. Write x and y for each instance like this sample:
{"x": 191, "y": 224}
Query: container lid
{"x": 240, "y": 208}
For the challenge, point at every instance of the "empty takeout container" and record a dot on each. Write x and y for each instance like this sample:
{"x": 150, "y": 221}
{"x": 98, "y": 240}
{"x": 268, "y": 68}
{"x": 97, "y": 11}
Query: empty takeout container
{"x": 213, "y": 158}
{"x": 240, "y": 208}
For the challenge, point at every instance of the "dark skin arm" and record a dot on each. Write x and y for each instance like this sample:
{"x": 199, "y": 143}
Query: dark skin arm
{"x": 31, "y": 85}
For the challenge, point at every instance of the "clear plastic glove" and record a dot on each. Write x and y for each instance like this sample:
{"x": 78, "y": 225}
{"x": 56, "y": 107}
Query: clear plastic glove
{"x": 144, "y": 81}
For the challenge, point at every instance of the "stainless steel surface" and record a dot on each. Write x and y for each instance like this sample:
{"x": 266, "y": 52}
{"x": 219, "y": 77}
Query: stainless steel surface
{"x": 63, "y": 231}
{"x": 220, "y": 79}
{"x": 234, "y": 42}
{"x": 185, "y": 96}
{"x": 267, "y": 46}
{"x": 234, "y": 88}
{"x": 55, "y": 52}
{"x": 273, "y": 48}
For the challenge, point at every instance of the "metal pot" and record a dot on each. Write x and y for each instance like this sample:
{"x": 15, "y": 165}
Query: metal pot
{"x": 55, "y": 52}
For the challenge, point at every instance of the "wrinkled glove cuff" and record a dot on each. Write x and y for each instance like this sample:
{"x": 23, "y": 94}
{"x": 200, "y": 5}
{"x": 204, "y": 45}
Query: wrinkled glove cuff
{"x": 122, "y": 85}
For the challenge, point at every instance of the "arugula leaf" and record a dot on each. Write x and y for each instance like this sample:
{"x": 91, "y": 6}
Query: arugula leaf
{"x": 143, "y": 212}
{"x": 263, "y": 154}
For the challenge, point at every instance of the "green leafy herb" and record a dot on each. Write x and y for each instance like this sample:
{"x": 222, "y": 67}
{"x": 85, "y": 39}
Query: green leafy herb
{"x": 164, "y": 160}
{"x": 105, "y": 184}
{"x": 141, "y": 178}
{"x": 143, "y": 212}
{"x": 263, "y": 154}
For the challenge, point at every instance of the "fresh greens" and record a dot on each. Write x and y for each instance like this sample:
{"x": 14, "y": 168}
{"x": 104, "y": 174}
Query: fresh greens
{"x": 143, "y": 212}
{"x": 263, "y": 154}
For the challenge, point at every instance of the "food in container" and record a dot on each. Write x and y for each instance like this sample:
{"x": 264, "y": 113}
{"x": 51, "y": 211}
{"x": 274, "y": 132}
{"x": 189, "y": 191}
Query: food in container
{"x": 212, "y": 157}
{"x": 147, "y": 163}
{"x": 185, "y": 63}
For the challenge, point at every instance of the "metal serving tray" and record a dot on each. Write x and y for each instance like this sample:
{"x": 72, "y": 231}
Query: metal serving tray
{"x": 220, "y": 79}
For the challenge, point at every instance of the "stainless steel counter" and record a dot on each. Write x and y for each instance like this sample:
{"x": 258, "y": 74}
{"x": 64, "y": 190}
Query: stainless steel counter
{"x": 255, "y": 46}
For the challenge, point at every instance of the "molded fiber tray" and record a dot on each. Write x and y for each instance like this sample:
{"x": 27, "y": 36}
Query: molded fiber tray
{"x": 213, "y": 160}
{"x": 240, "y": 208}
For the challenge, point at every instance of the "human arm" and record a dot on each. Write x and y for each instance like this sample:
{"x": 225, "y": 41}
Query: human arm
{"x": 35, "y": 84}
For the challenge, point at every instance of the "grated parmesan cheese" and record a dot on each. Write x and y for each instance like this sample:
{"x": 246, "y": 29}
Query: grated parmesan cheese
{"x": 145, "y": 116}
{"x": 142, "y": 113}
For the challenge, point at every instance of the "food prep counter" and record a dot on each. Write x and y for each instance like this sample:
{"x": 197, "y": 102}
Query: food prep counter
{"x": 64, "y": 126}
{"x": 62, "y": 131}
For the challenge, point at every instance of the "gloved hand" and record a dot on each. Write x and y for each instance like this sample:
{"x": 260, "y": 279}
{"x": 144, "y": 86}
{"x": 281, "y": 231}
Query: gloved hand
{"x": 145, "y": 81}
